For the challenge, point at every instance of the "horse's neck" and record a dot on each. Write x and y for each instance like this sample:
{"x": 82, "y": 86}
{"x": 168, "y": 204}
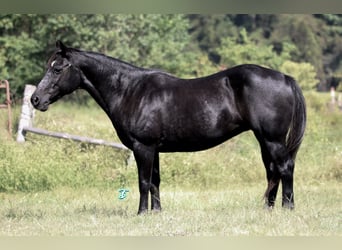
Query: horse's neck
{"x": 106, "y": 78}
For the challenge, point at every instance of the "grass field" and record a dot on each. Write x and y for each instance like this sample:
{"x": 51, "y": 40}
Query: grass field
{"x": 58, "y": 187}
{"x": 99, "y": 212}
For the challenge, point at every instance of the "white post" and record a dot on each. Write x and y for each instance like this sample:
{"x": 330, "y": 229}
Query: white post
{"x": 333, "y": 95}
{"x": 27, "y": 113}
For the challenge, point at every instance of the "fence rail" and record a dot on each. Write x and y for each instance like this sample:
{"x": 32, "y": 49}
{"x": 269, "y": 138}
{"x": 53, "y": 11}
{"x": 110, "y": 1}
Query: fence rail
{"x": 78, "y": 138}
{"x": 26, "y": 125}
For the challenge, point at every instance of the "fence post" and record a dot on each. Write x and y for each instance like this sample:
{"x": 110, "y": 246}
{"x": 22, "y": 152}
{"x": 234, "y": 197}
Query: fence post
{"x": 27, "y": 113}
{"x": 333, "y": 95}
{"x": 4, "y": 84}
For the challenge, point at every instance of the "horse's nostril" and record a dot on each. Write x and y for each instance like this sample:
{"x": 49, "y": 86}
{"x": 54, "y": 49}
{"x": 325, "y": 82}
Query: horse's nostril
{"x": 35, "y": 100}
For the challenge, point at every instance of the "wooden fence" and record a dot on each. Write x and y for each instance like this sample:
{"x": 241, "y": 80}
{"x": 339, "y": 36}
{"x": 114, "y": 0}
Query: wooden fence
{"x": 26, "y": 125}
{"x": 5, "y": 85}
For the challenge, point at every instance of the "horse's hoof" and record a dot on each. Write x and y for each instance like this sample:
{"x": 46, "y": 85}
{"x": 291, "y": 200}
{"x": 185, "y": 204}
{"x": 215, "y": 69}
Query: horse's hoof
{"x": 156, "y": 210}
{"x": 289, "y": 206}
{"x": 268, "y": 207}
{"x": 142, "y": 212}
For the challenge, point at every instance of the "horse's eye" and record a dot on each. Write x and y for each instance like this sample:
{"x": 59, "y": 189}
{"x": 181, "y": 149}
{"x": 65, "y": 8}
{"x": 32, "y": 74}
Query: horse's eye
{"x": 57, "y": 70}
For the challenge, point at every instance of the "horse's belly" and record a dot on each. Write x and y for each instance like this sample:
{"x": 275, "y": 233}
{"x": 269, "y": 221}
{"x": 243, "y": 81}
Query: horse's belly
{"x": 196, "y": 143}
{"x": 186, "y": 146}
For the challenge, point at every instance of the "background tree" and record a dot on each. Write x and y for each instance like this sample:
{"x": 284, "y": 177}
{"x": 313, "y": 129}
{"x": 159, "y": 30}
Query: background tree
{"x": 242, "y": 49}
{"x": 304, "y": 73}
{"x": 157, "y": 41}
{"x": 316, "y": 37}
{"x": 208, "y": 30}
{"x": 185, "y": 45}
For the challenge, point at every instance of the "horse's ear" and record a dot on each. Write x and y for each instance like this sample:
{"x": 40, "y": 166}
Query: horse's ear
{"x": 61, "y": 47}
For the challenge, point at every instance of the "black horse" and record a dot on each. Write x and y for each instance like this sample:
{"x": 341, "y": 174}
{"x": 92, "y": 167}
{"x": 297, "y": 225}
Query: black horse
{"x": 154, "y": 112}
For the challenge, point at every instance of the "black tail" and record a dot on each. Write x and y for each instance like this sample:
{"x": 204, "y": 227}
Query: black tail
{"x": 297, "y": 127}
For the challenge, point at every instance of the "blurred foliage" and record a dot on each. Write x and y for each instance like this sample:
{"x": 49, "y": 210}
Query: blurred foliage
{"x": 243, "y": 49}
{"x": 184, "y": 45}
{"x": 304, "y": 73}
{"x": 314, "y": 39}
{"x": 155, "y": 41}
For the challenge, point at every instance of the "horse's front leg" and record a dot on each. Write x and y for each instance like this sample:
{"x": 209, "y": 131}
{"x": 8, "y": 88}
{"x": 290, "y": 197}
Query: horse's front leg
{"x": 155, "y": 198}
{"x": 144, "y": 157}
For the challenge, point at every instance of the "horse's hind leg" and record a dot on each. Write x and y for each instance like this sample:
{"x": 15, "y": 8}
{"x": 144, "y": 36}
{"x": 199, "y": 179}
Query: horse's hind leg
{"x": 286, "y": 172}
{"x": 282, "y": 167}
{"x": 279, "y": 166}
{"x": 273, "y": 178}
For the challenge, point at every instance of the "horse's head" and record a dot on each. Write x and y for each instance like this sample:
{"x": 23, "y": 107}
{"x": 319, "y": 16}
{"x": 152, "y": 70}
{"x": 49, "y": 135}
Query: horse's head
{"x": 61, "y": 78}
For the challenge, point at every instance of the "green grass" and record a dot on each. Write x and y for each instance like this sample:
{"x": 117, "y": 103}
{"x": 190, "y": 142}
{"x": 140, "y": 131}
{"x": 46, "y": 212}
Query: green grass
{"x": 234, "y": 211}
{"x": 59, "y": 187}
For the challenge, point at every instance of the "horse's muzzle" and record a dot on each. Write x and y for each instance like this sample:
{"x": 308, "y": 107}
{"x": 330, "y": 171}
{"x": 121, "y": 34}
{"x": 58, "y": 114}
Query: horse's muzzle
{"x": 38, "y": 104}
